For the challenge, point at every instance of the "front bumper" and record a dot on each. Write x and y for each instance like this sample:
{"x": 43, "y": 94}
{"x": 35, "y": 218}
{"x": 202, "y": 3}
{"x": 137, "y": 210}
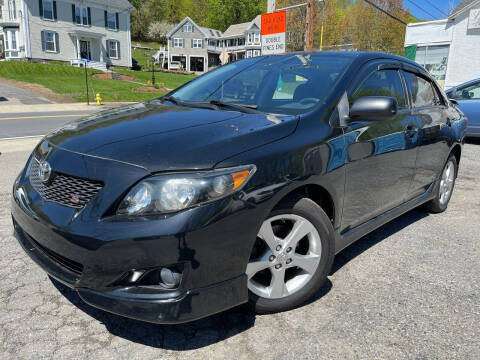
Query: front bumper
{"x": 91, "y": 253}
{"x": 157, "y": 305}
{"x": 163, "y": 307}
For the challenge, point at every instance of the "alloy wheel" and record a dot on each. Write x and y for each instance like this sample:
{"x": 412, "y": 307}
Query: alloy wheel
{"x": 446, "y": 183}
{"x": 285, "y": 257}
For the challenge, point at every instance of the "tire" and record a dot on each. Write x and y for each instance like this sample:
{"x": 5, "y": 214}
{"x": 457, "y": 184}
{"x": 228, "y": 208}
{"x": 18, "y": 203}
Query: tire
{"x": 317, "y": 247}
{"x": 440, "y": 203}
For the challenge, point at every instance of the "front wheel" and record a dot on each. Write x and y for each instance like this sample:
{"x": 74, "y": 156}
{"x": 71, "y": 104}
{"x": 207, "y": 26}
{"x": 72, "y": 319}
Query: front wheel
{"x": 292, "y": 256}
{"x": 445, "y": 187}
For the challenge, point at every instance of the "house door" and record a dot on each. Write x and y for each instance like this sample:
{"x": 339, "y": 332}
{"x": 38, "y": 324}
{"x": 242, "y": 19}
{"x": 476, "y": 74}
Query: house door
{"x": 85, "y": 50}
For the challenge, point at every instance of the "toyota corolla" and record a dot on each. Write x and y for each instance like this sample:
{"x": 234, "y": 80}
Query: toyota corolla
{"x": 240, "y": 186}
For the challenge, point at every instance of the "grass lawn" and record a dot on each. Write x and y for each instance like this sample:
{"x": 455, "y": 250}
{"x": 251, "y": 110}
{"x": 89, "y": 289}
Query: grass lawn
{"x": 66, "y": 79}
{"x": 168, "y": 80}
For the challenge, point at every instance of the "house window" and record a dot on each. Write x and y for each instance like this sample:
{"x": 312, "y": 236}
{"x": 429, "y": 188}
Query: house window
{"x": 435, "y": 60}
{"x": 197, "y": 43}
{"x": 50, "y": 41}
{"x": 241, "y": 41}
{"x": 249, "y": 53}
{"x": 256, "y": 53}
{"x": 81, "y": 15}
{"x": 187, "y": 28}
{"x": 48, "y": 12}
{"x": 178, "y": 43}
{"x": 11, "y": 40}
{"x": 256, "y": 38}
{"x": 12, "y": 9}
{"x": 113, "y": 49}
{"x": 111, "y": 21}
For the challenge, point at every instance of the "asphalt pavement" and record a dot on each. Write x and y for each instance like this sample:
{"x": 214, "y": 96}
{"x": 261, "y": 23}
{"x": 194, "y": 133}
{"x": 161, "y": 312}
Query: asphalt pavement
{"x": 410, "y": 290}
{"x": 36, "y": 124}
{"x": 16, "y": 95}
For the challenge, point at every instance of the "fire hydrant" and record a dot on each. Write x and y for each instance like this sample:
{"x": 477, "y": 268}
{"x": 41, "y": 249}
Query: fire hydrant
{"x": 98, "y": 98}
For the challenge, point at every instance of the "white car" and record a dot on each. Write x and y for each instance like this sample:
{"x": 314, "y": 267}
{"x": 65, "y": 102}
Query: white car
{"x": 176, "y": 65}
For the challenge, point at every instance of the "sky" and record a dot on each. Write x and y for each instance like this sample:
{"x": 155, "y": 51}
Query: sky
{"x": 430, "y": 7}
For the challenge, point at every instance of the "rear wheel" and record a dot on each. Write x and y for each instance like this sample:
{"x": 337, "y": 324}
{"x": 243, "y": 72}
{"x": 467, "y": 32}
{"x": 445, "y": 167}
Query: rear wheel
{"x": 292, "y": 256}
{"x": 445, "y": 188}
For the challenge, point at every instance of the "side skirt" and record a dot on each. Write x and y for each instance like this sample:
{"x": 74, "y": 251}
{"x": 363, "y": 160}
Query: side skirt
{"x": 352, "y": 235}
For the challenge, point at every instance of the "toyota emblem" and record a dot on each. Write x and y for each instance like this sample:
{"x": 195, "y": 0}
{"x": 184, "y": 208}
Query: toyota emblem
{"x": 44, "y": 171}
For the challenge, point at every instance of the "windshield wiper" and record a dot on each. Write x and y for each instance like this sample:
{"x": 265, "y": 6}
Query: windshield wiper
{"x": 246, "y": 108}
{"x": 195, "y": 104}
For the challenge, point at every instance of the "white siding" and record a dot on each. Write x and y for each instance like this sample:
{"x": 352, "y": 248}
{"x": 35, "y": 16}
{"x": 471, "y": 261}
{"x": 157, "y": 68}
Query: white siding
{"x": 429, "y": 33}
{"x": 464, "y": 55}
{"x": 64, "y": 26}
{"x": 464, "y": 60}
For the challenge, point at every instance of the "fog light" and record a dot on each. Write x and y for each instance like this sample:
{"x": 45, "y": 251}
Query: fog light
{"x": 170, "y": 278}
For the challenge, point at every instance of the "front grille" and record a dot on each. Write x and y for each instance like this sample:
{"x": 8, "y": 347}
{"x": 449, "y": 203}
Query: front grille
{"x": 67, "y": 264}
{"x": 64, "y": 189}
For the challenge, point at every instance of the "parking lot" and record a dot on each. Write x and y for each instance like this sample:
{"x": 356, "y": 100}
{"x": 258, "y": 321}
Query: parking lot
{"x": 410, "y": 290}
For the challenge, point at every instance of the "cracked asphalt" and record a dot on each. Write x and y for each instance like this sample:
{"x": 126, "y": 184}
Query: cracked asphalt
{"x": 410, "y": 290}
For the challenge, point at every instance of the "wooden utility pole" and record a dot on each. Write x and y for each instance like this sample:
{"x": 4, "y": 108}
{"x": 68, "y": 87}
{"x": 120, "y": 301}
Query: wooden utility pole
{"x": 271, "y": 5}
{"x": 310, "y": 24}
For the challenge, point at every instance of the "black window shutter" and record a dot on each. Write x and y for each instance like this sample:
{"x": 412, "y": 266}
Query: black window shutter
{"x": 106, "y": 19}
{"x": 108, "y": 48}
{"x": 118, "y": 49}
{"x": 73, "y": 13}
{"x": 191, "y": 43}
{"x": 116, "y": 18}
{"x": 55, "y": 10}
{"x": 57, "y": 43}
{"x": 43, "y": 40}
{"x": 89, "y": 16}
{"x": 40, "y": 7}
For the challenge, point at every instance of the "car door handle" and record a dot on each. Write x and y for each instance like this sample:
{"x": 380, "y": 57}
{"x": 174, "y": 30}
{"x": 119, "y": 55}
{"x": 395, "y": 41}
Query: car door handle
{"x": 411, "y": 130}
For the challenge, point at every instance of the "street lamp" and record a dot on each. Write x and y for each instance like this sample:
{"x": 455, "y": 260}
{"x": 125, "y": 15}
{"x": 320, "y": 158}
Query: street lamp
{"x": 153, "y": 71}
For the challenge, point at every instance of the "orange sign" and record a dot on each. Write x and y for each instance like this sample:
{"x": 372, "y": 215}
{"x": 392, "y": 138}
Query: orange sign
{"x": 274, "y": 23}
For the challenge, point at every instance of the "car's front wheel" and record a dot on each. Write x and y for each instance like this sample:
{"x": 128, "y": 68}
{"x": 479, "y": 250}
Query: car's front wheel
{"x": 292, "y": 256}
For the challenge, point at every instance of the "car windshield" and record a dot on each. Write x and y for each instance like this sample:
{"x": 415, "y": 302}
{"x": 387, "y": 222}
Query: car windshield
{"x": 274, "y": 84}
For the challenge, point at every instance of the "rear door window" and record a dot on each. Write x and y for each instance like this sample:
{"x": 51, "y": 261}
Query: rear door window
{"x": 422, "y": 91}
{"x": 382, "y": 83}
{"x": 471, "y": 92}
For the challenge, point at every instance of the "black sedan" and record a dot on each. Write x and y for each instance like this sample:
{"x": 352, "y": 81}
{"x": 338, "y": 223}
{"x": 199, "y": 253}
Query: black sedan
{"x": 240, "y": 186}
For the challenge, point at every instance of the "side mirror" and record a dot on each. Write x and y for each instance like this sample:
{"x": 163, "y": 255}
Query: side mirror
{"x": 373, "y": 108}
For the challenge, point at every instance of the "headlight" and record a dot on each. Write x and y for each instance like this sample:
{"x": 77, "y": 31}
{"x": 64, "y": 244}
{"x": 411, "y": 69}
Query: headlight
{"x": 174, "y": 192}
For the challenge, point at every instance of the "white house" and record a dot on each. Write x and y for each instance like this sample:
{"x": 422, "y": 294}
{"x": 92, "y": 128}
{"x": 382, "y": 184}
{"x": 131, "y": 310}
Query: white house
{"x": 450, "y": 48}
{"x": 67, "y": 30}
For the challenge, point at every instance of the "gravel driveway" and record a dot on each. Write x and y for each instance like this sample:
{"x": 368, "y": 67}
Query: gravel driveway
{"x": 409, "y": 290}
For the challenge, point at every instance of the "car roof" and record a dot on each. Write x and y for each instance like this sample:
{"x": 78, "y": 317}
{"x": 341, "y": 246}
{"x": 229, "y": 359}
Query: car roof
{"x": 359, "y": 56}
{"x": 365, "y": 55}
{"x": 467, "y": 83}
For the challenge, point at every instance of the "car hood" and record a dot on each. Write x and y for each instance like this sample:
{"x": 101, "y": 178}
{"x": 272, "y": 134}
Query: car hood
{"x": 159, "y": 137}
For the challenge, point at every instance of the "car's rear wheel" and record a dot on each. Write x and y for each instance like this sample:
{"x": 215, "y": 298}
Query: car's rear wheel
{"x": 292, "y": 256}
{"x": 445, "y": 187}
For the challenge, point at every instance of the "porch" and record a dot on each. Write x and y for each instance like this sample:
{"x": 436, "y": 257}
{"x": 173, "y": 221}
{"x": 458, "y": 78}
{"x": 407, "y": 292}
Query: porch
{"x": 89, "y": 48}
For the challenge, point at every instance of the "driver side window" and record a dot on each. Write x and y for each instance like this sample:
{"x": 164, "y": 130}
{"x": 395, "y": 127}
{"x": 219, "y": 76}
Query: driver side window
{"x": 471, "y": 92}
{"x": 382, "y": 83}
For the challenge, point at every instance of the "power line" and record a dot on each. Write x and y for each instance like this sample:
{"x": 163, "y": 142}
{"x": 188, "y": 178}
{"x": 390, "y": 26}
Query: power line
{"x": 385, "y": 12}
{"x": 443, "y": 12}
{"x": 419, "y": 7}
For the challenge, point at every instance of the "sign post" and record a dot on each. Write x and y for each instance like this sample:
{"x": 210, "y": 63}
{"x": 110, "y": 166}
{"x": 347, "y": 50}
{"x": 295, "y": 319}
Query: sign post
{"x": 273, "y": 30}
